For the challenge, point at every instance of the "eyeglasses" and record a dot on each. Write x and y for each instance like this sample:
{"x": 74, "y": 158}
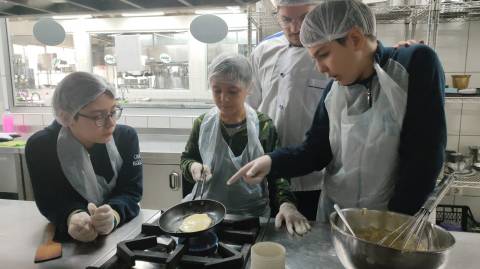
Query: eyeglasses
{"x": 101, "y": 120}
{"x": 285, "y": 22}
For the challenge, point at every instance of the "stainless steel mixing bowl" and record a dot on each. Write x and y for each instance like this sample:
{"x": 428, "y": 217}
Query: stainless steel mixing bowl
{"x": 361, "y": 254}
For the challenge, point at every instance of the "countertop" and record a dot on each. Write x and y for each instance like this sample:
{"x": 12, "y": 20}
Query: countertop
{"x": 315, "y": 249}
{"x": 150, "y": 145}
{"x": 22, "y": 229}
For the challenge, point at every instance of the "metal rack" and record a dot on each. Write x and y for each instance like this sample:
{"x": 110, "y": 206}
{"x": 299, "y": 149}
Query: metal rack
{"x": 433, "y": 13}
{"x": 448, "y": 12}
{"x": 470, "y": 180}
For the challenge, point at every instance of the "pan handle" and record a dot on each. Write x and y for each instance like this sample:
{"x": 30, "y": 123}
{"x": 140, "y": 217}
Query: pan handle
{"x": 174, "y": 181}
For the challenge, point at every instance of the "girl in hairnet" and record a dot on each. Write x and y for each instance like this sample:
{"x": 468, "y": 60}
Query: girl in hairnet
{"x": 86, "y": 171}
{"x": 229, "y": 136}
{"x": 379, "y": 128}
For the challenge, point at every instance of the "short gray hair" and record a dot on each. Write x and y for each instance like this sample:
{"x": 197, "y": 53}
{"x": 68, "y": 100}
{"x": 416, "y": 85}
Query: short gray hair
{"x": 231, "y": 68}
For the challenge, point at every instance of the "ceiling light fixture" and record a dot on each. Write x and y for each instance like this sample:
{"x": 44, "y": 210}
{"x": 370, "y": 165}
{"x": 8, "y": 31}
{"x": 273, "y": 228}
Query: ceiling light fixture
{"x": 72, "y": 17}
{"x": 216, "y": 11}
{"x": 158, "y": 13}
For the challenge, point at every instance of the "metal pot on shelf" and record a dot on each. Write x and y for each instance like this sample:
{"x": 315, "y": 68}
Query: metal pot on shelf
{"x": 474, "y": 151}
{"x": 459, "y": 162}
{"x": 460, "y": 81}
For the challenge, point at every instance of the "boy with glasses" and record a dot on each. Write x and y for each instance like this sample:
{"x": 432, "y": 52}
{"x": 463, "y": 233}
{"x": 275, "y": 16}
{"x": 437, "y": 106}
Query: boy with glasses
{"x": 85, "y": 169}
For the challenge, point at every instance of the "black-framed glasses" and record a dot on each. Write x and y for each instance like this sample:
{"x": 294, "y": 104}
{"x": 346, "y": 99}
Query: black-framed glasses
{"x": 101, "y": 120}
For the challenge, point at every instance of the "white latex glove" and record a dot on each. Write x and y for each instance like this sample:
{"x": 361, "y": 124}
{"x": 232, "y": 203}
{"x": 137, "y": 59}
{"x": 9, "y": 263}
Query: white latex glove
{"x": 294, "y": 220}
{"x": 80, "y": 227}
{"x": 102, "y": 218}
{"x": 196, "y": 171}
{"x": 253, "y": 172}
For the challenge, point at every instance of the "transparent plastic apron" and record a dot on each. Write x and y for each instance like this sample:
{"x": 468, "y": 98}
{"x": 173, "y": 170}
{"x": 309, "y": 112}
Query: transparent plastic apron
{"x": 363, "y": 170}
{"x": 77, "y": 167}
{"x": 240, "y": 197}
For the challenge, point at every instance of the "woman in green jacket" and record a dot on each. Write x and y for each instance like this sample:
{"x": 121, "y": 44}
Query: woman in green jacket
{"x": 229, "y": 136}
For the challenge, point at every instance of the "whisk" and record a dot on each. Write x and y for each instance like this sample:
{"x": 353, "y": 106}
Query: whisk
{"x": 413, "y": 229}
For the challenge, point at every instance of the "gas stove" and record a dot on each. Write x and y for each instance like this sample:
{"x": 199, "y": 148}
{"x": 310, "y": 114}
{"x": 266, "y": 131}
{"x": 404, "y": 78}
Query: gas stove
{"x": 227, "y": 245}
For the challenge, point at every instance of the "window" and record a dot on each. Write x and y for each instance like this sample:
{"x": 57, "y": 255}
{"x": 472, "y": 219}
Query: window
{"x": 163, "y": 63}
{"x": 38, "y": 68}
{"x": 152, "y": 62}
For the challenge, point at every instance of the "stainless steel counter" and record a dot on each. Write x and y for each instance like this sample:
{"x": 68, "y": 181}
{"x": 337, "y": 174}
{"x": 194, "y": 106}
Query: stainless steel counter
{"x": 315, "y": 250}
{"x": 150, "y": 144}
{"x": 155, "y": 148}
{"x": 22, "y": 229}
{"x": 165, "y": 148}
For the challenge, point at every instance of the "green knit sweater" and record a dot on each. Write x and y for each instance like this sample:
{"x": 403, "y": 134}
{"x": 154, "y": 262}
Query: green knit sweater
{"x": 278, "y": 188}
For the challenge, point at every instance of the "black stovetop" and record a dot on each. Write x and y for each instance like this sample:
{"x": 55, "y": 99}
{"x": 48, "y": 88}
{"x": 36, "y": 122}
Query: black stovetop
{"x": 152, "y": 248}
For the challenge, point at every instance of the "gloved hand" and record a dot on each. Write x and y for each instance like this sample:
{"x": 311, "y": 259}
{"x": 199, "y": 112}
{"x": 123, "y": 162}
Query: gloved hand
{"x": 253, "y": 172}
{"x": 102, "y": 218}
{"x": 80, "y": 227}
{"x": 196, "y": 171}
{"x": 294, "y": 220}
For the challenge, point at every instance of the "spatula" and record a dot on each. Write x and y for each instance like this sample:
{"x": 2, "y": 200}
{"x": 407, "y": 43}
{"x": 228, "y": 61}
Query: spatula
{"x": 49, "y": 249}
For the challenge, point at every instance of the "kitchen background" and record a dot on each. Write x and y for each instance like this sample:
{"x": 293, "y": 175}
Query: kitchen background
{"x": 161, "y": 77}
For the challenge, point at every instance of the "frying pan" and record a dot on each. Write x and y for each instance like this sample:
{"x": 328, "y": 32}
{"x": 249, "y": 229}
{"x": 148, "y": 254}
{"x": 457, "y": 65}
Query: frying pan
{"x": 171, "y": 220}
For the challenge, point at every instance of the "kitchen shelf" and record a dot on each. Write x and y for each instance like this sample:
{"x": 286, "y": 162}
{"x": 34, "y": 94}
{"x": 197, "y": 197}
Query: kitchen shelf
{"x": 449, "y": 12}
{"x": 464, "y": 11}
{"x": 470, "y": 180}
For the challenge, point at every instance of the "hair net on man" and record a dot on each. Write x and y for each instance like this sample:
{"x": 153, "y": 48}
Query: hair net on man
{"x": 282, "y": 3}
{"x": 74, "y": 92}
{"x": 231, "y": 68}
{"x": 333, "y": 19}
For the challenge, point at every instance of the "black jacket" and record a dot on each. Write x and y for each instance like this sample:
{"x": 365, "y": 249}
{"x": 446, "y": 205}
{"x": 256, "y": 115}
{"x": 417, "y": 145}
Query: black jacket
{"x": 54, "y": 195}
{"x": 422, "y": 139}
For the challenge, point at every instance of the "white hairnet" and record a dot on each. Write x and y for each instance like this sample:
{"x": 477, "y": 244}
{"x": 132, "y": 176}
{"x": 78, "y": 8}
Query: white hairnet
{"x": 74, "y": 92}
{"x": 282, "y": 3}
{"x": 231, "y": 68}
{"x": 332, "y": 19}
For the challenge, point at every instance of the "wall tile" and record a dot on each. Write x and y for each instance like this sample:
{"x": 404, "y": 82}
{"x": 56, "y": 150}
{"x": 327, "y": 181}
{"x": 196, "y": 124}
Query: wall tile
{"x": 158, "y": 122}
{"x": 452, "y": 45}
{"x": 470, "y": 124}
{"x": 33, "y": 119}
{"x": 181, "y": 122}
{"x": 137, "y": 121}
{"x": 453, "y": 115}
{"x": 47, "y": 119}
{"x": 473, "y": 63}
{"x": 474, "y": 79}
{"x": 452, "y": 142}
{"x": 465, "y": 141}
{"x": 17, "y": 119}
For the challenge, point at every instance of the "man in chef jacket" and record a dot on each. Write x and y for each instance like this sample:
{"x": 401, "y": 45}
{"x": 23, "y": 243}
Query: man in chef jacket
{"x": 287, "y": 88}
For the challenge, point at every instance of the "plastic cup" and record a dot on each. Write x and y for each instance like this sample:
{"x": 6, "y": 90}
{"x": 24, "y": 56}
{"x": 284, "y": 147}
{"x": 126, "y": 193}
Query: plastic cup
{"x": 267, "y": 255}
